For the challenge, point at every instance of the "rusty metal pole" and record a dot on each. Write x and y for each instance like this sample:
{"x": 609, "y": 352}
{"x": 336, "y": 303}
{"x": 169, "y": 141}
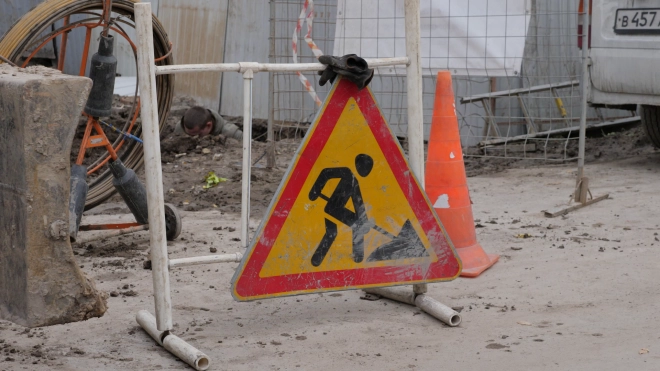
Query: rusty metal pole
{"x": 65, "y": 39}
{"x": 107, "y": 9}
{"x": 584, "y": 81}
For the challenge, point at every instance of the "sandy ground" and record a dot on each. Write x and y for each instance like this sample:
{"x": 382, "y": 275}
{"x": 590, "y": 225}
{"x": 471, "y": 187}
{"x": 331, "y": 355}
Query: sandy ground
{"x": 580, "y": 293}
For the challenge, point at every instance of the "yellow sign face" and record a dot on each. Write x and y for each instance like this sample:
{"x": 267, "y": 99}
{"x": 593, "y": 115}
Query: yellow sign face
{"x": 348, "y": 214}
{"x": 385, "y": 204}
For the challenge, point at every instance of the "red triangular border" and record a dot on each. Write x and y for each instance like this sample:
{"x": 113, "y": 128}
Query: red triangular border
{"x": 247, "y": 285}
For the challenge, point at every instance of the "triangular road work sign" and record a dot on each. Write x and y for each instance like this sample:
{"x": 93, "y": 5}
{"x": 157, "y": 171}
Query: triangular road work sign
{"x": 348, "y": 214}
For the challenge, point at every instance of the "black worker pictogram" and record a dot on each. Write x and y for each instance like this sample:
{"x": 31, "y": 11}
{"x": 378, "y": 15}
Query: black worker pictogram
{"x": 347, "y": 189}
{"x": 406, "y": 244}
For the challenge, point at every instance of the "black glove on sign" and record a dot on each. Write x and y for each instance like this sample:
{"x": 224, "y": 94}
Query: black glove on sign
{"x": 350, "y": 66}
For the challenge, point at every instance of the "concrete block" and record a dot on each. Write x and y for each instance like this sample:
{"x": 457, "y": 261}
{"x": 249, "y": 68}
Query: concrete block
{"x": 40, "y": 281}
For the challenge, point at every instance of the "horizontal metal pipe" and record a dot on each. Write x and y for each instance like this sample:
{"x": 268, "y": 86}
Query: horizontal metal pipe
{"x": 174, "y": 344}
{"x": 277, "y": 67}
{"x": 384, "y": 62}
{"x": 209, "y": 259}
{"x": 109, "y": 234}
{"x": 209, "y": 67}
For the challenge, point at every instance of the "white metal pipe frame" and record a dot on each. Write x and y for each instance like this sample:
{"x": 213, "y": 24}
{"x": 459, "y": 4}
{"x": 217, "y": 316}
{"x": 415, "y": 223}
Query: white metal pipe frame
{"x": 147, "y": 71}
{"x": 415, "y": 99}
{"x": 152, "y": 166}
{"x": 265, "y": 67}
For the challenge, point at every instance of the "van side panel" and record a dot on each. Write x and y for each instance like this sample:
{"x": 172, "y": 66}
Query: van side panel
{"x": 623, "y": 66}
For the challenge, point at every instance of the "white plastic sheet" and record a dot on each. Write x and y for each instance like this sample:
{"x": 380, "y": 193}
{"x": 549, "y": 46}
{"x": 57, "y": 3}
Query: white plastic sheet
{"x": 467, "y": 37}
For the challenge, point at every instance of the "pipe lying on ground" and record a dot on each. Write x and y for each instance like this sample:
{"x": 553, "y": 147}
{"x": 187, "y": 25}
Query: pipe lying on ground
{"x": 224, "y": 258}
{"x": 118, "y": 232}
{"x": 186, "y": 352}
{"x": 422, "y": 301}
{"x": 174, "y": 344}
{"x": 438, "y": 310}
{"x": 148, "y": 323}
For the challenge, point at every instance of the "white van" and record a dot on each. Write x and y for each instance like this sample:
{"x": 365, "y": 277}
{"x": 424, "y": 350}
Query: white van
{"x": 624, "y": 49}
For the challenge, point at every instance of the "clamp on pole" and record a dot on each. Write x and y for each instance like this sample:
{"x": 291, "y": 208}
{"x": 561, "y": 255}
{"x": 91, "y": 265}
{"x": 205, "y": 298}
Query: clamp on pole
{"x": 249, "y": 68}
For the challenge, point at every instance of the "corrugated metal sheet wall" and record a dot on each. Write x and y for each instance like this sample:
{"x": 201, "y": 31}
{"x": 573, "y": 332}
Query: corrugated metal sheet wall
{"x": 247, "y": 41}
{"x": 197, "y": 28}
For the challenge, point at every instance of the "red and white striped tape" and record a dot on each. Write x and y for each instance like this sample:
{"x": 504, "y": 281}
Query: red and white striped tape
{"x": 307, "y": 15}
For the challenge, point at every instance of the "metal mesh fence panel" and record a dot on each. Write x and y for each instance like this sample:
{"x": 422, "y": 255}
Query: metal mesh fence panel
{"x": 530, "y": 112}
{"x": 293, "y": 105}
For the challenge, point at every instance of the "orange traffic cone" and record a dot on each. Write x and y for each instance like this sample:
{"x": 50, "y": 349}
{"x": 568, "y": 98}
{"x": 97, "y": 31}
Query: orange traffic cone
{"x": 446, "y": 183}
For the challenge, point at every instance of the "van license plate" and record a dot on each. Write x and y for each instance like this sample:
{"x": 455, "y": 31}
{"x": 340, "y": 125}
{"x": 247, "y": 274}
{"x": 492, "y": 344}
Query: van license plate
{"x": 637, "y": 21}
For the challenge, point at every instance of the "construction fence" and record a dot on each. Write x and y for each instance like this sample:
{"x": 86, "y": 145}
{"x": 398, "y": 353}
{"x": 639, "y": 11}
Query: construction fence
{"x": 516, "y": 67}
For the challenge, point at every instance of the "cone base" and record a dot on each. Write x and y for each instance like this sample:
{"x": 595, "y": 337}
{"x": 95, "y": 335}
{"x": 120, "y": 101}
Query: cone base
{"x": 475, "y": 260}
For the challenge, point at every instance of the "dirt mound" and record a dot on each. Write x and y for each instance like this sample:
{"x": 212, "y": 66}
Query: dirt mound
{"x": 187, "y": 161}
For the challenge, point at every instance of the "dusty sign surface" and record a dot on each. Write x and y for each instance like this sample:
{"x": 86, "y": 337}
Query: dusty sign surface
{"x": 348, "y": 214}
